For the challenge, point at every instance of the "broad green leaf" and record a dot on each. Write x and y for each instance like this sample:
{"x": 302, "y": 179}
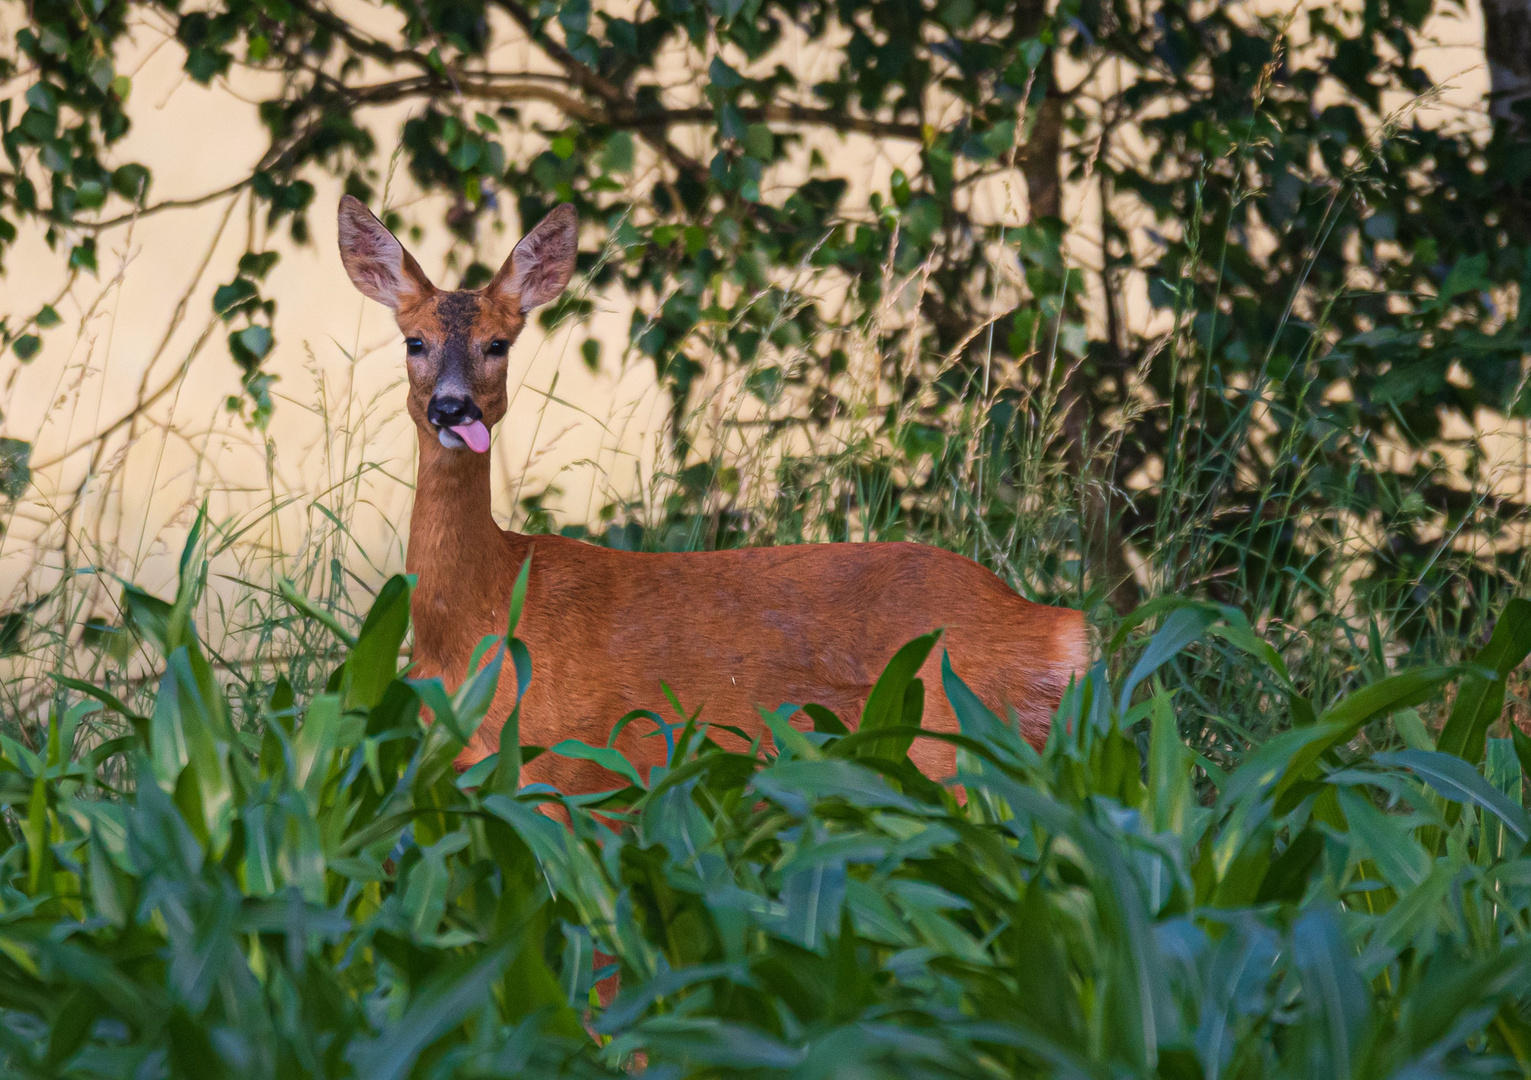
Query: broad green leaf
{"x": 1452, "y": 777}
{"x": 506, "y": 775}
{"x": 1180, "y": 628}
{"x": 897, "y": 698}
{"x": 1287, "y": 879}
{"x": 1415, "y": 735}
{"x": 518, "y": 596}
{"x": 1501, "y": 769}
{"x": 471, "y": 702}
{"x": 607, "y": 757}
{"x": 149, "y": 616}
{"x": 110, "y": 700}
{"x": 1522, "y": 743}
{"x": 1376, "y": 699}
{"x": 193, "y": 574}
{"x": 1169, "y": 768}
{"x": 789, "y": 741}
{"x": 374, "y": 659}
{"x": 433, "y": 696}
{"x": 1335, "y": 997}
{"x": 1384, "y": 839}
{"x": 1417, "y": 913}
{"x": 35, "y": 828}
{"x": 798, "y": 782}
{"x": 1342, "y": 720}
{"x": 825, "y": 722}
{"x": 1480, "y": 698}
{"x": 291, "y": 594}
{"x": 976, "y": 722}
{"x": 455, "y": 992}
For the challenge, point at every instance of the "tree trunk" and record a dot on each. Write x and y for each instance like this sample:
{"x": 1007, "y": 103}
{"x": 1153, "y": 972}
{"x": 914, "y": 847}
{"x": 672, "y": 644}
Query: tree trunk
{"x": 1101, "y": 538}
{"x": 1507, "y": 48}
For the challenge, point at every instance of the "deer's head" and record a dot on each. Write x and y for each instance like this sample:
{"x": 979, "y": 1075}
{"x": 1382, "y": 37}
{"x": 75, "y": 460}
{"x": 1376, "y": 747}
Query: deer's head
{"x": 456, "y": 342}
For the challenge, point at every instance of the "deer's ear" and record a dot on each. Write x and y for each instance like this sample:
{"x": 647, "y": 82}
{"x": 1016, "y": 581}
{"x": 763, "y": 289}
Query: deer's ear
{"x": 542, "y": 263}
{"x": 378, "y": 264}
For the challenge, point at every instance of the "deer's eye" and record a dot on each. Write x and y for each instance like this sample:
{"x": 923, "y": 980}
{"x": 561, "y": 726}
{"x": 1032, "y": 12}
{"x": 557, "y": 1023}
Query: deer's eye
{"x": 414, "y": 346}
{"x": 498, "y": 347}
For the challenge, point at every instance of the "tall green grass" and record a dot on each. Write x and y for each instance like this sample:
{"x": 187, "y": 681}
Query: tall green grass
{"x": 250, "y": 882}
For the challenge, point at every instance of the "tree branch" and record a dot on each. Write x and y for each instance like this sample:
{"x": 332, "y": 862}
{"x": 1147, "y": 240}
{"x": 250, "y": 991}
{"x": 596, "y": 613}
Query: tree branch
{"x": 593, "y": 83}
{"x": 168, "y": 204}
{"x": 623, "y": 114}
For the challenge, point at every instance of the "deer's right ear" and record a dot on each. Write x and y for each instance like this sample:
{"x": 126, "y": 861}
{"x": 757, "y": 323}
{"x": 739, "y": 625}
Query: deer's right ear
{"x": 378, "y": 264}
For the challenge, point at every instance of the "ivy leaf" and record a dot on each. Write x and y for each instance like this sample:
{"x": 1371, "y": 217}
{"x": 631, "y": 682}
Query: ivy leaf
{"x": 15, "y": 467}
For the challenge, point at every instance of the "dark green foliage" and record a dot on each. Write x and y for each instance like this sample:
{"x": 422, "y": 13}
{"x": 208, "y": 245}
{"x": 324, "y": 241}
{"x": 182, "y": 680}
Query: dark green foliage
{"x": 312, "y": 890}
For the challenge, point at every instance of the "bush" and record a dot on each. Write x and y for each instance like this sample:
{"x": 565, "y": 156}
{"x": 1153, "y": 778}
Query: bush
{"x": 312, "y": 890}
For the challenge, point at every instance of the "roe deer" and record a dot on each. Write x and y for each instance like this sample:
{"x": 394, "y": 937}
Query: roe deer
{"x": 728, "y": 630}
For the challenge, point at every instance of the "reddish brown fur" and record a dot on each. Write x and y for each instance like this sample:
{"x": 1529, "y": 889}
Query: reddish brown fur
{"x": 728, "y": 631}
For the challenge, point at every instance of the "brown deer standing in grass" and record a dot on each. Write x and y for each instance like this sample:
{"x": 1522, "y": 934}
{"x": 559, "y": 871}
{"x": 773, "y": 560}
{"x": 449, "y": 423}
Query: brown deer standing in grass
{"x": 730, "y": 630}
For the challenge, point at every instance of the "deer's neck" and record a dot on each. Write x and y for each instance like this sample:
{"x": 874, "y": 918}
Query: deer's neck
{"x": 465, "y": 564}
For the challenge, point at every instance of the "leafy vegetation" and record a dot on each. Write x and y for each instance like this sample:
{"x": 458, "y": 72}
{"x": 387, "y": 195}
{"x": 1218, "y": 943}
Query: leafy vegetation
{"x": 291, "y": 887}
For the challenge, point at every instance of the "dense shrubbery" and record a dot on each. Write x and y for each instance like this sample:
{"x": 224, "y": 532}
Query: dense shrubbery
{"x": 312, "y": 890}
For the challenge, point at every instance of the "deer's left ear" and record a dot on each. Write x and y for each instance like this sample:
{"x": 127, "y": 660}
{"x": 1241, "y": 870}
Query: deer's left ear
{"x": 542, "y": 263}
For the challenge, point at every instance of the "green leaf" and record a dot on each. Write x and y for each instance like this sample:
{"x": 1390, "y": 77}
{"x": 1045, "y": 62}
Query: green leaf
{"x": 110, "y": 700}
{"x": 789, "y": 741}
{"x": 607, "y": 757}
{"x": 291, "y": 594}
{"x": 618, "y": 155}
{"x": 518, "y": 595}
{"x": 179, "y": 628}
{"x": 792, "y": 782}
{"x": 1480, "y": 699}
{"x": 1522, "y": 743}
{"x": 1287, "y": 879}
{"x": 825, "y": 722}
{"x": 897, "y": 698}
{"x": 1169, "y": 769}
{"x": 1502, "y": 770}
{"x": 506, "y": 779}
{"x": 26, "y": 346}
{"x": 759, "y": 143}
{"x": 189, "y": 743}
{"x": 1415, "y": 916}
{"x": 374, "y": 659}
{"x": 471, "y": 702}
{"x": 227, "y": 299}
{"x": 15, "y": 467}
{"x": 1385, "y": 839}
{"x": 722, "y": 76}
{"x": 1180, "y": 628}
{"x": 1458, "y": 781}
{"x": 149, "y": 616}
{"x": 1342, "y": 720}
{"x": 35, "y": 829}
{"x": 453, "y": 993}
{"x": 1336, "y": 999}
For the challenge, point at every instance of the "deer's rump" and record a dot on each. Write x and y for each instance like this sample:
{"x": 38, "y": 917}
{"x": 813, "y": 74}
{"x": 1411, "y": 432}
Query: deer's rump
{"x": 735, "y": 630}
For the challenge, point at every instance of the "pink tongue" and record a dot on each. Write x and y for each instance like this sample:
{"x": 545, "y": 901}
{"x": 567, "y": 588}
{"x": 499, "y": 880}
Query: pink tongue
{"x": 476, "y": 435}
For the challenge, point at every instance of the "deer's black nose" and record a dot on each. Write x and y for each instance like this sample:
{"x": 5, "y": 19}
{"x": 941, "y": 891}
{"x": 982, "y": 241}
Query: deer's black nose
{"x": 446, "y": 411}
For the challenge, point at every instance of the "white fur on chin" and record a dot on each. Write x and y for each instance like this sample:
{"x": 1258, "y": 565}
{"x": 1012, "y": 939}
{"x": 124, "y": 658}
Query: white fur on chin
{"x": 450, "y": 439}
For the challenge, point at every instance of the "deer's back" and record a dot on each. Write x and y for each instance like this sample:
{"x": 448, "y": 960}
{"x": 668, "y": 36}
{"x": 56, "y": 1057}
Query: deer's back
{"x": 732, "y": 630}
